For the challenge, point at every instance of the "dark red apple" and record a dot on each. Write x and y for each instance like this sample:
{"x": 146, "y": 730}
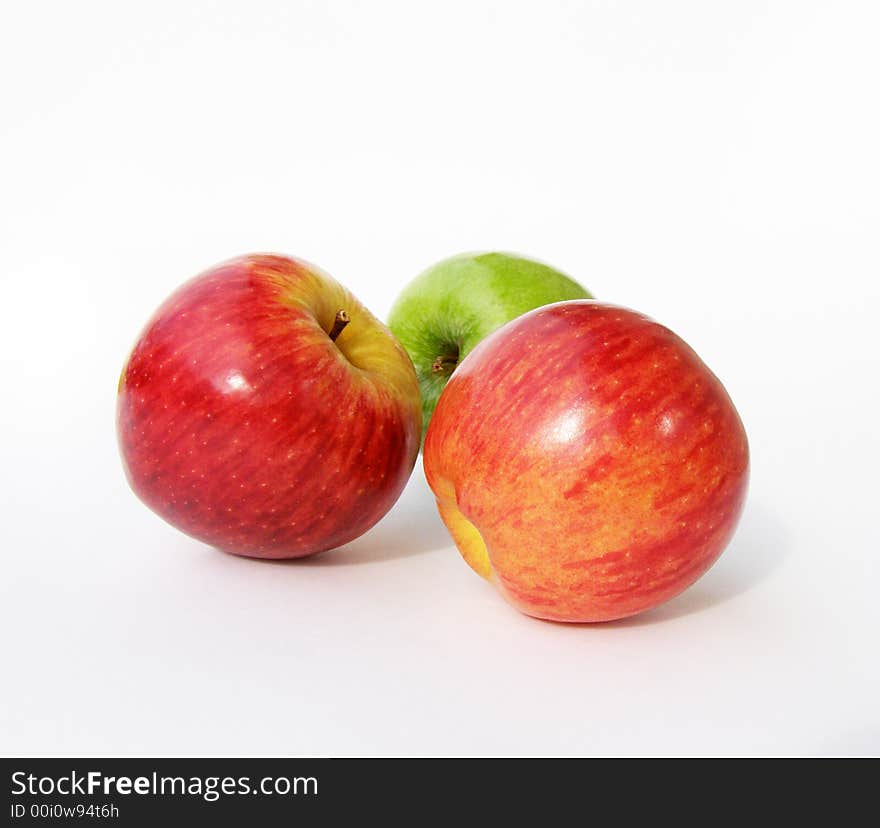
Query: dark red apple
{"x": 265, "y": 411}
{"x": 587, "y": 462}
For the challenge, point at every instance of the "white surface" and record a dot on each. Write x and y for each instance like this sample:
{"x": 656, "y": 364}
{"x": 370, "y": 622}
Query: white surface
{"x": 714, "y": 165}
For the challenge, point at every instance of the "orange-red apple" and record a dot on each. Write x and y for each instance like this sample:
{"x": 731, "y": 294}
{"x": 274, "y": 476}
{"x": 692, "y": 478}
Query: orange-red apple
{"x": 587, "y": 462}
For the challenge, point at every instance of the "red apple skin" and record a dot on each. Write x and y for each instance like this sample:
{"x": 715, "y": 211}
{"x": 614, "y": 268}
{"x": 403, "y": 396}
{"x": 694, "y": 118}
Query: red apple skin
{"x": 243, "y": 424}
{"x": 587, "y": 462}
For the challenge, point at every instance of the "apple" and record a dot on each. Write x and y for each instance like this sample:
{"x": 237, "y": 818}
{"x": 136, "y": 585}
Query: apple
{"x": 265, "y": 411}
{"x": 587, "y": 462}
{"x": 443, "y": 313}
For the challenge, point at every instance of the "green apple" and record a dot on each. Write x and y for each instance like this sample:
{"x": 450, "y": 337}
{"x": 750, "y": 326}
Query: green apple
{"x": 443, "y": 313}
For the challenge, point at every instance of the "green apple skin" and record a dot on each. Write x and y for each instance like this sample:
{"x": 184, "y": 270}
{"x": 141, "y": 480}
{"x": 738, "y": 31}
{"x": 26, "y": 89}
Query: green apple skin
{"x": 443, "y": 313}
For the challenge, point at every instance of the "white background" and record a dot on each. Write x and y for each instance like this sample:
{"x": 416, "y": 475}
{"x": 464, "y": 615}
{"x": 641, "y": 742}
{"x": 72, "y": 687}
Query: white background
{"x": 712, "y": 164}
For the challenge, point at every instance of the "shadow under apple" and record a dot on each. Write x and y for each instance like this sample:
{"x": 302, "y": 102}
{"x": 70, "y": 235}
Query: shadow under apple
{"x": 412, "y": 527}
{"x": 758, "y": 548}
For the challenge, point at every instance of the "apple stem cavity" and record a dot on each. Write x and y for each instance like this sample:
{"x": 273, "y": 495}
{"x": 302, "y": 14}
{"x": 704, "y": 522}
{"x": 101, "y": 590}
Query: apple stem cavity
{"x": 444, "y": 364}
{"x": 339, "y": 323}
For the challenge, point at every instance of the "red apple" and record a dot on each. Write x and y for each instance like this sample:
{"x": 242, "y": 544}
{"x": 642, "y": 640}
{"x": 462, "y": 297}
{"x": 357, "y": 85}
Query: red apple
{"x": 587, "y": 462}
{"x": 265, "y": 411}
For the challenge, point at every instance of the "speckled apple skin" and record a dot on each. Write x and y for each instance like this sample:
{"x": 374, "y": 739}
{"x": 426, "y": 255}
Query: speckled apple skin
{"x": 587, "y": 462}
{"x": 244, "y": 425}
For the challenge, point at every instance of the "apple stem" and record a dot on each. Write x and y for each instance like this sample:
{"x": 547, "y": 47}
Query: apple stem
{"x": 339, "y": 323}
{"x": 444, "y": 364}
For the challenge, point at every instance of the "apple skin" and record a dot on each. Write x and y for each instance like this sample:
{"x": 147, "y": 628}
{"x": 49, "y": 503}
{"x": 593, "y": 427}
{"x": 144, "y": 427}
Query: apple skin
{"x": 243, "y": 424}
{"x": 449, "y": 308}
{"x": 587, "y": 462}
